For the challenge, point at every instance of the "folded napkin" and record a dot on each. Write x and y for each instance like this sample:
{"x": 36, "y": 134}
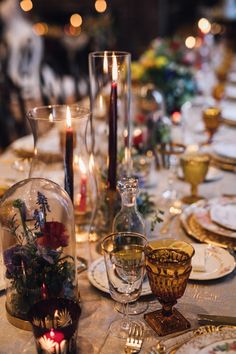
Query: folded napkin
{"x": 199, "y": 258}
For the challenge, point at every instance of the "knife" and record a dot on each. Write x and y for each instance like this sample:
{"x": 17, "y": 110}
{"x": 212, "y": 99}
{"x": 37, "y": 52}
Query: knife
{"x": 216, "y": 320}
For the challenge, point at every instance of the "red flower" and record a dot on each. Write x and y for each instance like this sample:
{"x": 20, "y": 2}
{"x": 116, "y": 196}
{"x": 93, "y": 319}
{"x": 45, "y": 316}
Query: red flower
{"x": 54, "y": 235}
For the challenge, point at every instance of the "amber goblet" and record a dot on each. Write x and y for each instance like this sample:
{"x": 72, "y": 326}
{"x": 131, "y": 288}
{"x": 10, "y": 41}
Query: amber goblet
{"x": 168, "y": 265}
{"x": 195, "y": 167}
{"x": 212, "y": 118}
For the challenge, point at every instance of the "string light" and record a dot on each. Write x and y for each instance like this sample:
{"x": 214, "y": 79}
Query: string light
{"x": 100, "y": 6}
{"x": 26, "y": 5}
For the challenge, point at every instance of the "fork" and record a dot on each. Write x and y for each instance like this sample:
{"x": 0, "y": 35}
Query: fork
{"x": 135, "y": 339}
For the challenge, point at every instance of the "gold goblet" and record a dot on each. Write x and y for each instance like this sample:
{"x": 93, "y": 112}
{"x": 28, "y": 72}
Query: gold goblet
{"x": 195, "y": 167}
{"x": 168, "y": 265}
{"x": 212, "y": 119}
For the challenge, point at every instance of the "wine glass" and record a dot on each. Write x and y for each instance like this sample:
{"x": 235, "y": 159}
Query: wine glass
{"x": 168, "y": 265}
{"x": 212, "y": 118}
{"x": 195, "y": 167}
{"x": 125, "y": 266}
{"x": 169, "y": 157}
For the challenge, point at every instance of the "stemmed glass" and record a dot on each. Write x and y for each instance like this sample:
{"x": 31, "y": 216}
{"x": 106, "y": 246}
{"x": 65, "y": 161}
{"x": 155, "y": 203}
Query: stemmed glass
{"x": 125, "y": 266}
{"x": 168, "y": 264}
{"x": 195, "y": 167}
{"x": 212, "y": 118}
{"x": 169, "y": 156}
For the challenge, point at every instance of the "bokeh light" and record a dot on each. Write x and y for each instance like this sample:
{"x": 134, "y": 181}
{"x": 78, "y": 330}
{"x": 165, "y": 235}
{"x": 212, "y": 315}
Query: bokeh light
{"x": 76, "y": 20}
{"x": 40, "y": 28}
{"x": 190, "y": 42}
{"x": 204, "y": 25}
{"x": 26, "y": 5}
{"x": 100, "y": 6}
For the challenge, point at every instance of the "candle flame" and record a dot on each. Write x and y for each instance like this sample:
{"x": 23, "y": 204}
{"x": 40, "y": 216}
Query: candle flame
{"x": 50, "y": 117}
{"x": 114, "y": 67}
{"x": 105, "y": 63}
{"x": 68, "y": 117}
{"x": 82, "y": 166}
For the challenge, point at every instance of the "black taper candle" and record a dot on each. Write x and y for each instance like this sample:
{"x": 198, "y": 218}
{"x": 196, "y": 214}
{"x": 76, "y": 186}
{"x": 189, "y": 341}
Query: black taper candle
{"x": 112, "y": 143}
{"x": 68, "y": 163}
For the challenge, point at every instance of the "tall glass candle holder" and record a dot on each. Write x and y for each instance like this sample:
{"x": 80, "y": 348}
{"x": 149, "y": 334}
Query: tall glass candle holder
{"x": 61, "y": 153}
{"x": 109, "y": 74}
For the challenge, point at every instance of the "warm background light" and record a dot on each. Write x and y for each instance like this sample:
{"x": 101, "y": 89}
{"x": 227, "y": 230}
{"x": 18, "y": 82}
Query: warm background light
{"x": 76, "y": 20}
{"x": 26, "y": 5}
{"x": 100, "y": 5}
{"x": 204, "y": 25}
{"x": 190, "y": 42}
{"x": 40, "y": 28}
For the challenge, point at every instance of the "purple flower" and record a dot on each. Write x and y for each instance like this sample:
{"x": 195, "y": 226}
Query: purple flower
{"x": 13, "y": 258}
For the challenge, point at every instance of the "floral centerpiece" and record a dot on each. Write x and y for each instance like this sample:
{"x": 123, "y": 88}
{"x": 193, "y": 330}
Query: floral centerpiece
{"x": 38, "y": 246}
{"x": 167, "y": 65}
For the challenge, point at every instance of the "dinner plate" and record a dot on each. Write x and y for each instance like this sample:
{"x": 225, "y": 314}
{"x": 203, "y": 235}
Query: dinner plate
{"x": 224, "y": 215}
{"x": 196, "y": 231}
{"x": 230, "y": 91}
{"x": 225, "y": 150}
{"x": 98, "y": 277}
{"x": 203, "y": 215}
{"x": 213, "y": 174}
{"x": 218, "y": 263}
{"x": 211, "y": 343}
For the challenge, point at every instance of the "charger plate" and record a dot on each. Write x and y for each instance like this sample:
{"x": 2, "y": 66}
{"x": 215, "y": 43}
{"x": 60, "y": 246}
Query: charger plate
{"x": 220, "y": 340}
{"x": 203, "y": 215}
{"x": 98, "y": 277}
{"x": 195, "y": 230}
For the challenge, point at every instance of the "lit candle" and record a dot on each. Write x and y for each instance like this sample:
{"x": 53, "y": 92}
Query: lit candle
{"x": 83, "y": 186}
{"x": 55, "y": 336}
{"x": 112, "y": 143}
{"x": 69, "y": 174}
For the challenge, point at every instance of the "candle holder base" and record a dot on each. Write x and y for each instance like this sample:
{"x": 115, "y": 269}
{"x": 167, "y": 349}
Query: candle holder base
{"x": 18, "y": 322}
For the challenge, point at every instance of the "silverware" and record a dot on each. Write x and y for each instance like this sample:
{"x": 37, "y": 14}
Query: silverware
{"x": 216, "y": 320}
{"x": 174, "y": 210}
{"x": 135, "y": 339}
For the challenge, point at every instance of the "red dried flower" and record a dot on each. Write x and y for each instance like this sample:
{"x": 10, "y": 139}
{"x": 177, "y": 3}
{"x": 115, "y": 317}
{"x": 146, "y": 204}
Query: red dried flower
{"x": 54, "y": 235}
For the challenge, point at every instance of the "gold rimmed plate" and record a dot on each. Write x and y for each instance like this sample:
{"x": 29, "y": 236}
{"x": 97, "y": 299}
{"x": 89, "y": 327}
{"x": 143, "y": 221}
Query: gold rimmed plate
{"x": 195, "y": 230}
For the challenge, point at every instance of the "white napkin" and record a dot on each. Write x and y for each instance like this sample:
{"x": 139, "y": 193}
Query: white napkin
{"x": 199, "y": 258}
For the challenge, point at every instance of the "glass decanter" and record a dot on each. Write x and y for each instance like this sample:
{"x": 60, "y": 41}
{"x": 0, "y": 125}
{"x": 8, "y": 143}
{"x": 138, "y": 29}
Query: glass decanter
{"x": 128, "y": 218}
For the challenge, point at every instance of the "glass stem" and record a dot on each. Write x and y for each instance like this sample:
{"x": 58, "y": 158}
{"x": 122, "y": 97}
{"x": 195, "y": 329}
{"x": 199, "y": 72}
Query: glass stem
{"x": 194, "y": 190}
{"x": 125, "y": 315}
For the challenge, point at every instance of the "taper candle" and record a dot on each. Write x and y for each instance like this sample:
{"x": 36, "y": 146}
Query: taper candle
{"x": 69, "y": 173}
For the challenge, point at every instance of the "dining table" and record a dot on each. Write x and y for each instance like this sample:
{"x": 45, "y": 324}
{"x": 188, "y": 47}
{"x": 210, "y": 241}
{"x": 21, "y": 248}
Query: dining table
{"x": 208, "y": 296}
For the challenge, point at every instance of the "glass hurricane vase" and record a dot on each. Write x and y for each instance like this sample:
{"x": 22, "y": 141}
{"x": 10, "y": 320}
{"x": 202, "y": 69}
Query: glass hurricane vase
{"x": 38, "y": 245}
{"x": 61, "y": 153}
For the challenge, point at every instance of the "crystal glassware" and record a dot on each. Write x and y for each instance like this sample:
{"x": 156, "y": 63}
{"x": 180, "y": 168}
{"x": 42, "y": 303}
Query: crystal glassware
{"x": 195, "y": 167}
{"x": 125, "y": 267}
{"x": 55, "y": 324}
{"x": 129, "y": 219}
{"x": 212, "y": 119}
{"x": 168, "y": 265}
{"x": 169, "y": 157}
{"x": 38, "y": 245}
